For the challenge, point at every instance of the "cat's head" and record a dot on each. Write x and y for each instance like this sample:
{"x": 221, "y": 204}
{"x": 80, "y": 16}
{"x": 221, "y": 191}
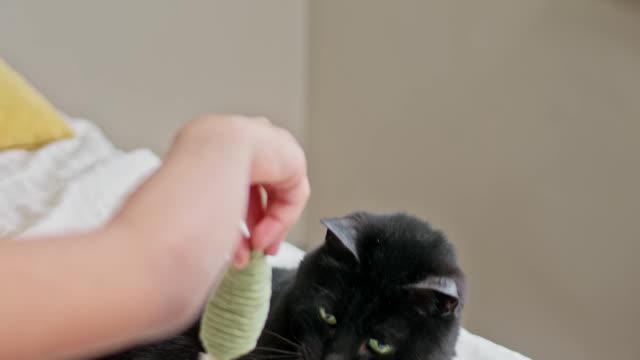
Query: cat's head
{"x": 381, "y": 287}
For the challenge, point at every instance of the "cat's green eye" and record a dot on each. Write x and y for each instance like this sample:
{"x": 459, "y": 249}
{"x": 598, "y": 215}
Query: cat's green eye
{"x": 327, "y": 317}
{"x": 380, "y": 348}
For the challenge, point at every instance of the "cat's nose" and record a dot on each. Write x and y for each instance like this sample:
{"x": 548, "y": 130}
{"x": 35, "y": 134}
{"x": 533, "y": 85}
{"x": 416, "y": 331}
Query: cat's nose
{"x": 334, "y": 357}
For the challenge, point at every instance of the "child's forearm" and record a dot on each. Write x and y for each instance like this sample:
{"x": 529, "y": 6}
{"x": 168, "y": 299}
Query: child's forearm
{"x": 75, "y": 295}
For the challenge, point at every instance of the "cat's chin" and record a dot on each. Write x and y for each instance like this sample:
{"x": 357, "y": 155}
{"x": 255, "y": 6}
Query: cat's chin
{"x": 204, "y": 356}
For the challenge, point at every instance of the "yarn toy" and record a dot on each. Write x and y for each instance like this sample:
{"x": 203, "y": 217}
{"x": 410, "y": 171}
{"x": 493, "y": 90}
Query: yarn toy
{"x": 236, "y": 313}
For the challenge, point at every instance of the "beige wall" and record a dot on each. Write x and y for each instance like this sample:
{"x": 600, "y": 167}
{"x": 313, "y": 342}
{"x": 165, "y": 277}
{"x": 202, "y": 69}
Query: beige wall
{"x": 136, "y": 66}
{"x": 512, "y": 125}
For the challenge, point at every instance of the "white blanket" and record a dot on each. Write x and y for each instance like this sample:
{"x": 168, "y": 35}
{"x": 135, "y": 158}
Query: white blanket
{"x": 78, "y": 183}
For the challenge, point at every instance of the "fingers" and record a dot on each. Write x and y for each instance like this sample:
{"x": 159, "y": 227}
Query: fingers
{"x": 242, "y": 254}
{"x": 286, "y": 203}
{"x": 269, "y": 226}
{"x": 278, "y": 165}
{"x": 255, "y": 212}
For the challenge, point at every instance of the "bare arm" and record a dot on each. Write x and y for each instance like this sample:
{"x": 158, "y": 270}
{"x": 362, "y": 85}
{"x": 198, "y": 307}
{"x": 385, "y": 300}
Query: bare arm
{"x": 146, "y": 273}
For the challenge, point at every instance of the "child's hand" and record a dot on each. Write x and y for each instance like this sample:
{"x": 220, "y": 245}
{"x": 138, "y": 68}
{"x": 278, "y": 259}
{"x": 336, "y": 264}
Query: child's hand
{"x": 255, "y": 213}
{"x": 278, "y": 165}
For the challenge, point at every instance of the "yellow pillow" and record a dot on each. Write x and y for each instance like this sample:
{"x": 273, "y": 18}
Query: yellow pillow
{"x": 27, "y": 119}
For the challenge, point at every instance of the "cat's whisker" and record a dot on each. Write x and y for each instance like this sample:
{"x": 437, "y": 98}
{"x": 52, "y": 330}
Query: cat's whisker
{"x": 267, "y": 356}
{"x": 278, "y": 336}
{"x": 324, "y": 291}
{"x": 304, "y": 352}
{"x": 277, "y": 351}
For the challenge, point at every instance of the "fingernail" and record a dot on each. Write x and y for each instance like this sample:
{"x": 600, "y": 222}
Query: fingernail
{"x": 244, "y": 229}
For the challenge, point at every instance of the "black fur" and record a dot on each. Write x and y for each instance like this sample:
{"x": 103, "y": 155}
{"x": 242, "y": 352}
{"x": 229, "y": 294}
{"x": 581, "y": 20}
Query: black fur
{"x": 375, "y": 278}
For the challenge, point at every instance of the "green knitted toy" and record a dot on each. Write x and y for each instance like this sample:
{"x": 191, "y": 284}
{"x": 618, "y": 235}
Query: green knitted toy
{"x": 236, "y": 313}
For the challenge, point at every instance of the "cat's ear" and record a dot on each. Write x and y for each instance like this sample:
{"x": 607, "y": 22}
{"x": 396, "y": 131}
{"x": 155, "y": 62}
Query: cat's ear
{"x": 342, "y": 233}
{"x": 447, "y": 292}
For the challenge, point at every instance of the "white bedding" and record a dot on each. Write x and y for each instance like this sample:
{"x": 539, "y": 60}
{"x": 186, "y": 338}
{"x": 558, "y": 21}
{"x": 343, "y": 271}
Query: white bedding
{"x": 77, "y": 184}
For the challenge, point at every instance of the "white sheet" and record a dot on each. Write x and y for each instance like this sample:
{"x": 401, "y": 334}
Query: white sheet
{"x": 67, "y": 185}
{"x": 78, "y": 183}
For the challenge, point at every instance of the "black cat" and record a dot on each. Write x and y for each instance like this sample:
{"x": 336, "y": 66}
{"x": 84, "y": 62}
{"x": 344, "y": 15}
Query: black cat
{"x": 381, "y": 287}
